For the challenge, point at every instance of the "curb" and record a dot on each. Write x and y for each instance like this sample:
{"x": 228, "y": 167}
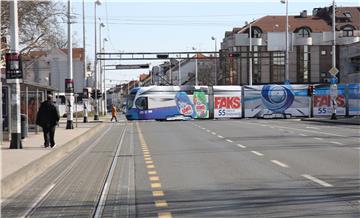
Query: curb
{"x": 334, "y": 122}
{"x": 21, "y": 177}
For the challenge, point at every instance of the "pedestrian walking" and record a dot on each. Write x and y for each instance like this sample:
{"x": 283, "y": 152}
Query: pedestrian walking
{"x": 48, "y": 117}
{"x": 113, "y": 113}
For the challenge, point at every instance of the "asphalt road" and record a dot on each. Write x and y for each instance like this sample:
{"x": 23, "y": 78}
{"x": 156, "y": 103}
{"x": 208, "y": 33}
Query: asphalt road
{"x": 220, "y": 168}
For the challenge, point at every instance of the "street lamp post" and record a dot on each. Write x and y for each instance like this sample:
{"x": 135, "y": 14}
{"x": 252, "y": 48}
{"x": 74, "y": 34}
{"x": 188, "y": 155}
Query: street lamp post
{"x": 334, "y": 86}
{"x": 286, "y": 43}
{"x": 250, "y": 54}
{"x": 196, "y": 66}
{"x": 104, "y": 84}
{"x": 84, "y": 63}
{"x": 215, "y": 56}
{"x": 101, "y": 25}
{"x": 96, "y": 114}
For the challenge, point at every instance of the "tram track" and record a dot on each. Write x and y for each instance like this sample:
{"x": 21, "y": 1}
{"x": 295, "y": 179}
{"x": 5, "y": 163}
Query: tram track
{"x": 62, "y": 176}
{"x": 100, "y": 203}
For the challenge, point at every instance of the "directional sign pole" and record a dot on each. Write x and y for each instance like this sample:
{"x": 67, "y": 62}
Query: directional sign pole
{"x": 333, "y": 70}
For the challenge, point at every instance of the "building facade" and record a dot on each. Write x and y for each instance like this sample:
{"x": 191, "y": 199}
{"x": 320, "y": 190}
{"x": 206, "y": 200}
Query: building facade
{"x": 49, "y": 68}
{"x": 310, "y": 48}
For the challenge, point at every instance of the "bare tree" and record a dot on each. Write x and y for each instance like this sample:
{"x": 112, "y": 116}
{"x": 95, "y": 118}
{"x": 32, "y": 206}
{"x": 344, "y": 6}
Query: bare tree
{"x": 40, "y": 24}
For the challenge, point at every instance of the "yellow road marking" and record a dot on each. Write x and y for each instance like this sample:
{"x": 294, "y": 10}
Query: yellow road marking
{"x": 150, "y": 166}
{"x": 158, "y": 193}
{"x": 147, "y": 158}
{"x": 147, "y": 155}
{"x": 155, "y": 185}
{"x": 154, "y": 178}
{"x": 164, "y": 215}
{"x": 146, "y": 152}
{"x": 149, "y": 162}
{"x": 161, "y": 203}
{"x": 152, "y": 172}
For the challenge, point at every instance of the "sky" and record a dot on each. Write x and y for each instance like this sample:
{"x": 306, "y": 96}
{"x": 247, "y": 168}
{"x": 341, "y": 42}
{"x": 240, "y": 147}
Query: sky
{"x": 173, "y": 25}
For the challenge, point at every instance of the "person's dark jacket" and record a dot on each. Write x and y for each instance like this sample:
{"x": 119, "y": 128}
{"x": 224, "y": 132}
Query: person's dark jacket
{"x": 47, "y": 115}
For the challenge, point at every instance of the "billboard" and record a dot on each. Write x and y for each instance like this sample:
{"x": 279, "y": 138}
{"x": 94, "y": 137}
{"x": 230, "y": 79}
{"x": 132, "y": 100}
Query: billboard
{"x": 354, "y": 99}
{"x": 227, "y": 101}
{"x": 274, "y": 100}
{"x": 322, "y": 100}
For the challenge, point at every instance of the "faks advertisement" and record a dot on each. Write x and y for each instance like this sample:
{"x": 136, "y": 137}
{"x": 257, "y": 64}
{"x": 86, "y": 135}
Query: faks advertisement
{"x": 322, "y": 100}
{"x": 227, "y": 102}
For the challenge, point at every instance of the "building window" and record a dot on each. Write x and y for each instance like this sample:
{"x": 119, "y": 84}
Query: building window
{"x": 347, "y": 14}
{"x": 303, "y": 64}
{"x": 256, "y": 32}
{"x": 323, "y": 52}
{"x": 257, "y": 65}
{"x": 303, "y": 32}
{"x": 277, "y": 67}
{"x": 348, "y": 31}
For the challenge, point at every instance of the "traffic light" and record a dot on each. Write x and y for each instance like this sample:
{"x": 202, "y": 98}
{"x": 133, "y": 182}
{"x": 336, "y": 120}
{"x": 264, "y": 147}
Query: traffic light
{"x": 233, "y": 55}
{"x": 310, "y": 90}
{"x": 99, "y": 94}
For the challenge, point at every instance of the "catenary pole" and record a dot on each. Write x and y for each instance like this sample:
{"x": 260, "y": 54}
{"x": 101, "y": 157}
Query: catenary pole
{"x": 15, "y": 85}
{"x": 69, "y": 89}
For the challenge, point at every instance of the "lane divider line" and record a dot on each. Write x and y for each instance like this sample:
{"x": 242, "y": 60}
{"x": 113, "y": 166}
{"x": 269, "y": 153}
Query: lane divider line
{"x": 155, "y": 185}
{"x": 316, "y": 180}
{"x": 280, "y": 163}
{"x": 164, "y": 215}
{"x": 161, "y": 203}
{"x": 228, "y": 140}
{"x": 158, "y": 193}
{"x": 241, "y": 146}
{"x": 153, "y": 177}
{"x": 214, "y": 133}
{"x": 319, "y": 138}
{"x": 220, "y": 136}
{"x": 337, "y": 143}
{"x": 302, "y": 134}
{"x": 257, "y": 153}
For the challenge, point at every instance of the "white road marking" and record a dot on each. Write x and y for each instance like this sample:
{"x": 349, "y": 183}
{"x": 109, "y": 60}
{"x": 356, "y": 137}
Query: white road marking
{"x": 310, "y": 127}
{"x": 317, "y": 132}
{"x": 208, "y": 130}
{"x": 257, "y": 153}
{"x": 220, "y": 136}
{"x": 337, "y": 143}
{"x": 302, "y": 134}
{"x": 203, "y": 128}
{"x": 279, "y": 163}
{"x": 318, "y": 181}
{"x": 241, "y": 146}
{"x": 264, "y": 125}
{"x": 214, "y": 133}
{"x": 319, "y": 138}
{"x": 228, "y": 140}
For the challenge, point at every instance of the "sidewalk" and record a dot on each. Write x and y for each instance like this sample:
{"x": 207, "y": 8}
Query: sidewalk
{"x": 355, "y": 120}
{"x": 19, "y": 166}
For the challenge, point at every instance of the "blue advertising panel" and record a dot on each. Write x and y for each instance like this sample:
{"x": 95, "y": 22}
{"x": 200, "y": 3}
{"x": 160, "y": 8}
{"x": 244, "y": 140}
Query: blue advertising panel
{"x": 271, "y": 100}
{"x": 354, "y": 99}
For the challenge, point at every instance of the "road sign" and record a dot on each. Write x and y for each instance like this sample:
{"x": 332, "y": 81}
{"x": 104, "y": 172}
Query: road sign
{"x": 131, "y": 66}
{"x": 333, "y": 80}
{"x": 333, "y": 71}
